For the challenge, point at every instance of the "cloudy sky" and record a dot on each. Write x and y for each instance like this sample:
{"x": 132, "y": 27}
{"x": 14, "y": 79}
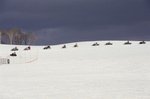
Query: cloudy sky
{"x": 61, "y": 21}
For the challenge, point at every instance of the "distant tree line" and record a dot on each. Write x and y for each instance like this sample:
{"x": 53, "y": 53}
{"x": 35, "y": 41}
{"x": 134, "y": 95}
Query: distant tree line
{"x": 17, "y": 36}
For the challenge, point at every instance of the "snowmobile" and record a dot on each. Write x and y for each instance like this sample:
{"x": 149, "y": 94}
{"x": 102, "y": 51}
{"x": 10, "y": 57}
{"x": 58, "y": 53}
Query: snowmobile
{"x": 127, "y": 43}
{"x": 95, "y": 44}
{"x": 75, "y": 45}
{"x": 108, "y": 43}
{"x": 27, "y": 48}
{"x": 15, "y": 49}
{"x": 64, "y": 46}
{"x": 142, "y": 42}
{"x": 13, "y": 54}
{"x": 47, "y": 47}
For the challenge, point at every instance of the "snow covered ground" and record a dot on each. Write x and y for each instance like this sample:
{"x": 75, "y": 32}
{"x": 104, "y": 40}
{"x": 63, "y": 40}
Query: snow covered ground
{"x": 87, "y": 72}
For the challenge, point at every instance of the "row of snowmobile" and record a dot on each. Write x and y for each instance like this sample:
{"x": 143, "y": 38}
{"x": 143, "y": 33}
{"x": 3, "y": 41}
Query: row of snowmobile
{"x": 96, "y": 44}
{"x": 126, "y": 43}
{"x": 64, "y": 46}
{"x": 16, "y": 49}
{"x": 76, "y": 45}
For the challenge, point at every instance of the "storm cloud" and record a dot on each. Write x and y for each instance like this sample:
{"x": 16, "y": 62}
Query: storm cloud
{"x": 60, "y": 21}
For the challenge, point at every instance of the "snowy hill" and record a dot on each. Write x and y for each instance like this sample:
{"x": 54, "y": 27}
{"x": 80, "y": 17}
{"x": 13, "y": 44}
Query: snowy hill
{"x": 115, "y": 71}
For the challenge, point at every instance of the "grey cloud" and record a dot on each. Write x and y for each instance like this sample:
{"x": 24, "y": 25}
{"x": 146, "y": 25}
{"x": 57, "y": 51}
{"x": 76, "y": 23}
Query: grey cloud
{"x": 138, "y": 31}
{"x": 85, "y": 13}
{"x": 2, "y": 6}
{"x": 76, "y": 18}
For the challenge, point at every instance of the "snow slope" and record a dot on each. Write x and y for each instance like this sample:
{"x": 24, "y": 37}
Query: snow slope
{"x": 87, "y": 72}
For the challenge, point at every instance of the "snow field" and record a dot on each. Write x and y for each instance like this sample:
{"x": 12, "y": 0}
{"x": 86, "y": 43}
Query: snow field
{"x": 87, "y": 72}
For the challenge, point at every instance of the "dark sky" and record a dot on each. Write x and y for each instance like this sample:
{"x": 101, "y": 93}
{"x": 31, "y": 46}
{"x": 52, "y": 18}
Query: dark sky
{"x": 60, "y": 21}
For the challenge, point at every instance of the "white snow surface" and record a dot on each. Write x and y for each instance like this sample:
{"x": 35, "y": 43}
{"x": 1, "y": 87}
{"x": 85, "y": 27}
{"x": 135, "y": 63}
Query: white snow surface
{"x": 86, "y": 72}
